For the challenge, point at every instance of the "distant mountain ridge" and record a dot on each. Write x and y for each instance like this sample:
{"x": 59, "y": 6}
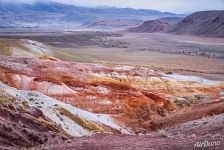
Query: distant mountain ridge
{"x": 111, "y": 23}
{"x": 14, "y": 14}
{"x": 203, "y": 23}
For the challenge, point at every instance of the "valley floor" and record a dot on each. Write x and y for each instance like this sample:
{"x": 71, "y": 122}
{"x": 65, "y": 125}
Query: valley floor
{"x": 190, "y": 55}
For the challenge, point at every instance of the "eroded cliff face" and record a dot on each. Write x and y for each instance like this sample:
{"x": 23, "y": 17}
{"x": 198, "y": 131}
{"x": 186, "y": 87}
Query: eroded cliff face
{"x": 130, "y": 94}
{"x": 66, "y": 99}
{"x": 22, "y": 125}
{"x": 86, "y": 86}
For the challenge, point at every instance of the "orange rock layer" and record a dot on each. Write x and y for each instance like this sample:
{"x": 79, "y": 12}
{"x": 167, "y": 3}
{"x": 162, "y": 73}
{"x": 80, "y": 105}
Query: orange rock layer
{"x": 127, "y": 94}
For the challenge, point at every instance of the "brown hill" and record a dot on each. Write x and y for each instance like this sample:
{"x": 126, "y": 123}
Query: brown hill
{"x": 112, "y": 23}
{"x": 150, "y": 27}
{"x": 204, "y": 23}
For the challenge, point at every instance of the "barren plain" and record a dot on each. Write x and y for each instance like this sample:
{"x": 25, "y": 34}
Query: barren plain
{"x": 193, "y": 55}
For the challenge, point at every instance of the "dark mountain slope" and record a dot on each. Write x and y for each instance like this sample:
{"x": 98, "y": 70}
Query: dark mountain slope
{"x": 150, "y": 27}
{"x": 171, "y": 20}
{"x": 204, "y": 23}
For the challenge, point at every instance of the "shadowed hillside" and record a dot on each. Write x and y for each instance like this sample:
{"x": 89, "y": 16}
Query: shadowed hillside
{"x": 150, "y": 26}
{"x": 204, "y": 23}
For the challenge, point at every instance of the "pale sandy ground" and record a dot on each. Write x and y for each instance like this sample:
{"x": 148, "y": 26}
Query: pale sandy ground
{"x": 211, "y": 68}
{"x": 167, "y": 52}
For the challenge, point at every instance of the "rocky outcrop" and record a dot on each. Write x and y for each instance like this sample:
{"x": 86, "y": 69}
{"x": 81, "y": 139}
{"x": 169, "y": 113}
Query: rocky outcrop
{"x": 85, "y": 86}
{"x": 22, "y": 125}
{"x": 132, "y": 95}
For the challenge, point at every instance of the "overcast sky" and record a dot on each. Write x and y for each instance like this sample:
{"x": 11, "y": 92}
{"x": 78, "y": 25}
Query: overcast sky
{"x": 176, "y": 6}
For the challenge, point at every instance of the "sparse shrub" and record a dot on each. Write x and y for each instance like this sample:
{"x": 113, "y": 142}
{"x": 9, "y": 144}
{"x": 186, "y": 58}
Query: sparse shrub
{"x": 169, "y": 72}
{"x": 25, "y": 105}
{"x": 24, "y": 131}
{"x": 182, "y": 103}
{"x": 162, "y": 133}
{"x": 161, "y": 112}
{"x": 53, "y": 135}
{"x": 39, "y": 107}
{"x": 187, "y": 101}
{"x": 198, "y": 97}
